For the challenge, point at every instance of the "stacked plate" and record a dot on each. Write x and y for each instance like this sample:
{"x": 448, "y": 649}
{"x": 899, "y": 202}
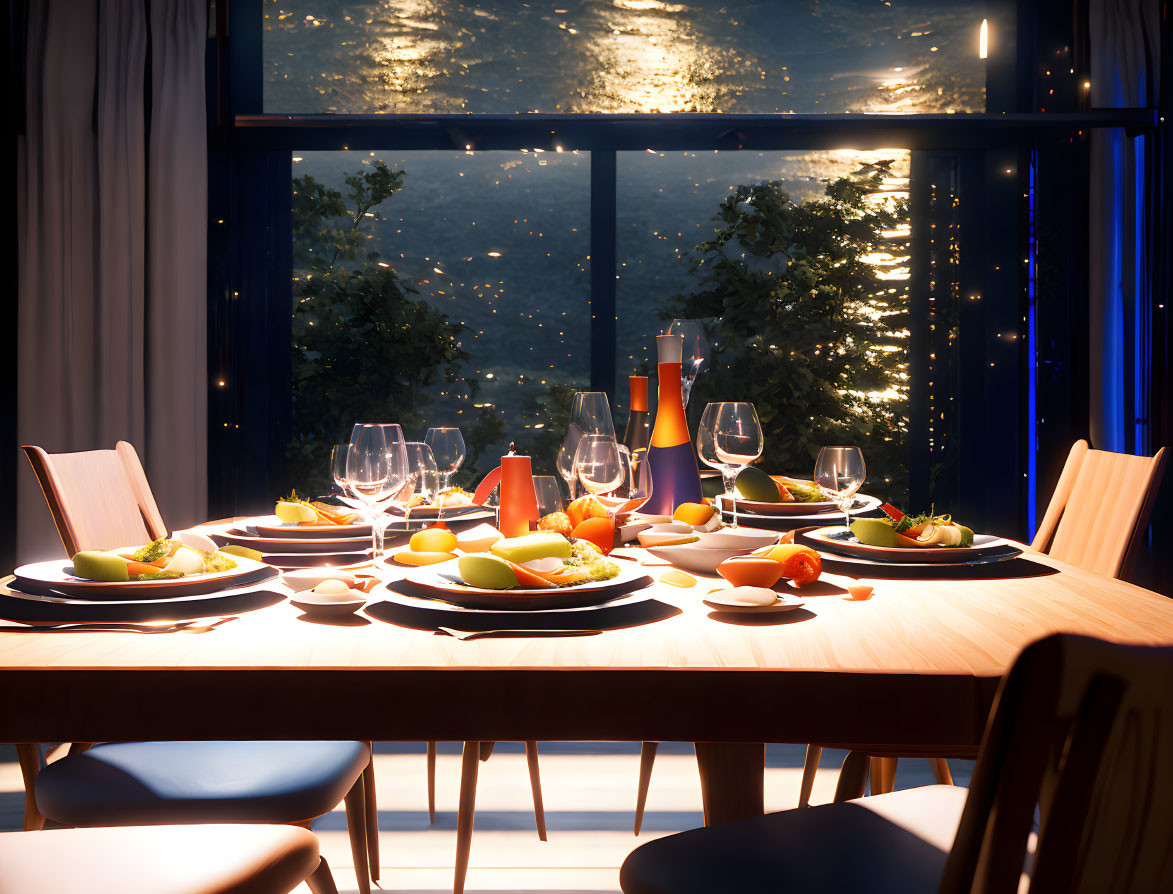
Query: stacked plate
{"x": 843, "y": 551}
{"x": 287, "y": 546}
{"x": 787, "y": 516}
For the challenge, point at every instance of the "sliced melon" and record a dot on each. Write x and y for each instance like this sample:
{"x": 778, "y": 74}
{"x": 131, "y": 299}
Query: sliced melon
{"x": 754, "y": 484}
{"x": 487, "y": 572}
{"x": 295, "y": 513}
{"x": 93, "y": 564}
{"x": 538, "y": 545}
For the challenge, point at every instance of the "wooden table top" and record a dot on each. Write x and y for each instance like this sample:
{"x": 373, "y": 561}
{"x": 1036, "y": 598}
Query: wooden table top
{"x": 916, "y": 665}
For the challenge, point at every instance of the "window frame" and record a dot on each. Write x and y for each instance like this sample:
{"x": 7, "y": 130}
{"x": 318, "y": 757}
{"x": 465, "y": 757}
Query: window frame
{"x": 250, "y": 165}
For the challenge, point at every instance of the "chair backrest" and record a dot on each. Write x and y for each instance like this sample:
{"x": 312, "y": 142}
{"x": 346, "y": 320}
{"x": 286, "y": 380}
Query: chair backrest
{"x": 99, "y": 499}
{"x": 1082, "y": 731}
{"x": 1100, "y": 509}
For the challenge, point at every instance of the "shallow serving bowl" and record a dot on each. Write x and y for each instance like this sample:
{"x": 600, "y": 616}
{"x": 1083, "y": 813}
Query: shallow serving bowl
{"x": 694, "y": 557}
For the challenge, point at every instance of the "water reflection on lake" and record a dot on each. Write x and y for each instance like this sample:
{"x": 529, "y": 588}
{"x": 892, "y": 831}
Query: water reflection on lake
{"x": 446, "y": 56}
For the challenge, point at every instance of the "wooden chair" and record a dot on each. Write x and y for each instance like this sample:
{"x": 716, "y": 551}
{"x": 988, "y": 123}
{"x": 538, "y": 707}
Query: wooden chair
{"x": 1073, "y": 788}
{"x": 100, "y": 499}
{"x": 1096, "y": 519}
{"x": 158, "y": 860}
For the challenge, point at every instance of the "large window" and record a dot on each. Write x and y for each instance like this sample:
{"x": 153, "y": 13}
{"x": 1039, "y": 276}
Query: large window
{"x": 555, "y": 182}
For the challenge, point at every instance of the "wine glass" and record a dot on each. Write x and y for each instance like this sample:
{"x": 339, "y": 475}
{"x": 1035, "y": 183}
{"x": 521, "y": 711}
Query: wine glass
{"x": 448, "y": 451}
{"x": 549, "y": 494}
{"x": 598, "y": 464}
{"x": 338, "y": 468}
{"x": 590, "y": 414}
{"x": 422, "y": 474}
{"x": 839, "y": 473}
{"x": 695, "y": 353}
{"x": 371, "y": 476}
{"x": 729, "y": 439}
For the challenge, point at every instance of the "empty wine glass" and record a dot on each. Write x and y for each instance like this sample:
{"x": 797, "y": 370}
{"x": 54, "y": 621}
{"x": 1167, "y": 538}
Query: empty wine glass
{"x": 420, "y": 462}
{"x": 448, "y": 450}
{"x": 839, "y": 473}
{"x": 549, "y": 494}
{"x": 370, "y": 476}
{"x": 338, "y": 468}
{"x": 590, "y": 414}
{"x": 598, "y": 464}
{"x": 729, "y": 439}
{"x": 695, "y": 353}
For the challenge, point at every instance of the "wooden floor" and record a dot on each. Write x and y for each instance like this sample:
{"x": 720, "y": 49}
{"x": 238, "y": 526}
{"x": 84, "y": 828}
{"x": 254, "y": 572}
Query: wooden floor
{"x": 589, "y": 793}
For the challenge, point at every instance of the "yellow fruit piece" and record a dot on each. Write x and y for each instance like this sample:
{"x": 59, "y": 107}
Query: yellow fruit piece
{"x": 538, "y": 545}
{"x": 693, "y": 513}
{"x": 243, "y": 551}
{"x": 433, "y": 540}
{"x": 409, "y": 557}
{"x": 94, "y": 564}
{"x": 294, "y": 513}
{"x": 486, "y": 572}
{"x": 754, "y": 484}
{"x": 676, "y": 578}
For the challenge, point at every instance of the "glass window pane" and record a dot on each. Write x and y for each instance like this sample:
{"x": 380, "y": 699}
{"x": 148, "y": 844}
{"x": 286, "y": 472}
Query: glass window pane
{"x": 747, "y": 56}
{"x": 461, "y": 298}
{"x": 810, "y": 281}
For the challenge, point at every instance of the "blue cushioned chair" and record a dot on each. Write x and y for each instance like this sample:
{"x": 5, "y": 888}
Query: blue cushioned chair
{"x": 1072, "y": 788}
{"x": 143, "y": 783}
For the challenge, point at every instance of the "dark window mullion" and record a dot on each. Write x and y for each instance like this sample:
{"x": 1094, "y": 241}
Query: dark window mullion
{"x": 603, "y": 271}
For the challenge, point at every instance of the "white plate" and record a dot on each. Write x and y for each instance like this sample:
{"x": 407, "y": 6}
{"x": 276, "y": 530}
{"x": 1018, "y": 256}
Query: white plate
{"x": 57, "y": 576}
{"x": 862, "y": 503}
{"x": 741, "y": 537}
{"x": 444, "y": 580}
{"x": 786, "y": 603}
{"x": 272, "y": 526}
{"x": 840, "y": 540}
{"x": 692, "y": 557}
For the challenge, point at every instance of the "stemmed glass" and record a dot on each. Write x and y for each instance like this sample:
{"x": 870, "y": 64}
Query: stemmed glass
{"x": 695, "y": 353}
{"x": 548, "y": 493}
{"x": 448, "y": 451}
{"x": 839, "y": 473}
{"x": 598, "y": 464}
{"x": 372, "y": 477}
{"x": 590, "y": 414}
{"x": 729, "y": 439}
{"x": 421, "y": 474}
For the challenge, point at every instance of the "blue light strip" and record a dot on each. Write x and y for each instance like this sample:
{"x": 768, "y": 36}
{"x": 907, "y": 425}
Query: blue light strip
{"x": 1032, "y": 434}
{"x": 1139, "y": 296}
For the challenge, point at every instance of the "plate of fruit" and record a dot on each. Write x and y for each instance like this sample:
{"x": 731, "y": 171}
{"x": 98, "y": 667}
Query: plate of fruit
{"x": 187, "y": 564}
{"x": 929, "y": 538}
{"x": 540, "y": 570}
{"x": 764, "y": 494}
{"x": 295, "y": 517}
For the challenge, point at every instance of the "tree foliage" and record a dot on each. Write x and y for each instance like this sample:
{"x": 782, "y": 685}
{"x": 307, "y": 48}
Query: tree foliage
{"x": 808, "y": 328}
{"x": 363, "y": 349}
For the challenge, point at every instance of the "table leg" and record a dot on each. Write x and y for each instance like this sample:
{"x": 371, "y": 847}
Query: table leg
{"x": 732, "y": 780}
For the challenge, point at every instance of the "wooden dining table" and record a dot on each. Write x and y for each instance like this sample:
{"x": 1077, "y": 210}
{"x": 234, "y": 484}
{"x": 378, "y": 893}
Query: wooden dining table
{"x": 914, "y": 667}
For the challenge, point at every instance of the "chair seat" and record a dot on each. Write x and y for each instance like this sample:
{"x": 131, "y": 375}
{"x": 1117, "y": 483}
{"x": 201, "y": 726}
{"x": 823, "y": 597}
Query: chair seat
{"x": 888, "y": 843}
{"x": 209, "y": 859}
{"x": 147, "y": 783}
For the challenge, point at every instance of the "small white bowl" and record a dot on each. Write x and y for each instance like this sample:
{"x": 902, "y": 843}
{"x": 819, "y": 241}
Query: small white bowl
{"x": 669, "y": 531}
{"x": 738, "y": 538}
{"x": 329, "y": 605}
{"x": 308, "y": 578}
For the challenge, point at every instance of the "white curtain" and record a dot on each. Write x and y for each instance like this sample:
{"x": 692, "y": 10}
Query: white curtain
{"x": 112, "y": 179}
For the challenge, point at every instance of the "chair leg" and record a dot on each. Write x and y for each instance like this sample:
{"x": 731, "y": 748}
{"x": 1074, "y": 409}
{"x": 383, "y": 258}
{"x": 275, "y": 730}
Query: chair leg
{"x": 487, "y": 750}
{"x": 372, "y": 809}
{"x": 853, "y": 776}
{"x": 647, "y": 758}
{"x": 535, "y": 784}
{"x": 466, "y": 811}
{"x": 940, "y": 768}
{"x": 810, "y": 766}
{"x": 356, "y": 826}
{"x": 321, "y": 881}
{"x": 31, "y": 763}
{"x": 890, "y": 773}
{"x": 432, "y": 782}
